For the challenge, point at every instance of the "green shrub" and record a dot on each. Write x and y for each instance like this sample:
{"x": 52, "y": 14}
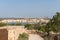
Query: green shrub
{"x": 28, "y": 26}
{"x": 23, "y": 36}
{"x": 2, "y": 24}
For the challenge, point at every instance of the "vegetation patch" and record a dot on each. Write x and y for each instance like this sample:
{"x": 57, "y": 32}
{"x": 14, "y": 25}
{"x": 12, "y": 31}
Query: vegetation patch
{"x": 2, "y": 24}
{"x": 23, "y": 36}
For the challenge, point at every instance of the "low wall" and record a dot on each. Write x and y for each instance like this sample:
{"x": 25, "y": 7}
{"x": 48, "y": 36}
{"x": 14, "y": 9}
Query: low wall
{"x": 3, "y": 34}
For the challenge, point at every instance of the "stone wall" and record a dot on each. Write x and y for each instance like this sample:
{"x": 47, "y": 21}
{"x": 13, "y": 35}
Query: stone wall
{"x": 3, "y": 34}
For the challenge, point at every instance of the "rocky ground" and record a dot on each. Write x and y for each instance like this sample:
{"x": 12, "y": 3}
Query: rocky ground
{"x": 35, "y": 37}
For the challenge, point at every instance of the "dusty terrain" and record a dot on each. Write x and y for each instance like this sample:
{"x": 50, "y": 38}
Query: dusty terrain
{"x": 35, "y": 37}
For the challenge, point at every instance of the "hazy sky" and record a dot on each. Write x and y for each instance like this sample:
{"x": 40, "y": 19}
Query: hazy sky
{"x": 29, "y": 8}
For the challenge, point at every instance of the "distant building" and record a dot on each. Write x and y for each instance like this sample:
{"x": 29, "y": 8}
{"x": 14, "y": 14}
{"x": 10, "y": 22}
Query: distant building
{"x": 25, "y": 20}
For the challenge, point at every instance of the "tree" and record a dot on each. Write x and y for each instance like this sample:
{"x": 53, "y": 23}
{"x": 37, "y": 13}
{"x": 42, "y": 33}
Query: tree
{"x": 53, "y": 24}
{"x": 56, "y": 22}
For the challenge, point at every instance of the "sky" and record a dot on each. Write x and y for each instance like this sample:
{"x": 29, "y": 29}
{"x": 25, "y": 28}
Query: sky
{"x": 28, "y": 8}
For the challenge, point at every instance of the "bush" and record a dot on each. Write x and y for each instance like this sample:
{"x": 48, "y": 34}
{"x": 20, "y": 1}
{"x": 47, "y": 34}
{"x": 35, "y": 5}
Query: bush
{"x": 2, "y": 24}
{"x": 33, "y": 26}
{"x": 42, "y": 29}
{"x": 23, "y": 36}
{"x": 28, "y": 26}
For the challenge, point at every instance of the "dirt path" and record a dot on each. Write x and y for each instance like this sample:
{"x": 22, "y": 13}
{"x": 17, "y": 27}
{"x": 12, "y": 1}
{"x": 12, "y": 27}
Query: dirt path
{"x": 35, "y": 37}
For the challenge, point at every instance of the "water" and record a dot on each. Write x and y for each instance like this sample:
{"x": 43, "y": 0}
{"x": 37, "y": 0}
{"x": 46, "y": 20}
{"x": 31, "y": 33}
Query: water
{"x": 23, "y": 23}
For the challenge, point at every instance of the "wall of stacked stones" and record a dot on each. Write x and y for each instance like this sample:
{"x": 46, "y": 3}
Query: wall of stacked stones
{"x": 3, "y": 34}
